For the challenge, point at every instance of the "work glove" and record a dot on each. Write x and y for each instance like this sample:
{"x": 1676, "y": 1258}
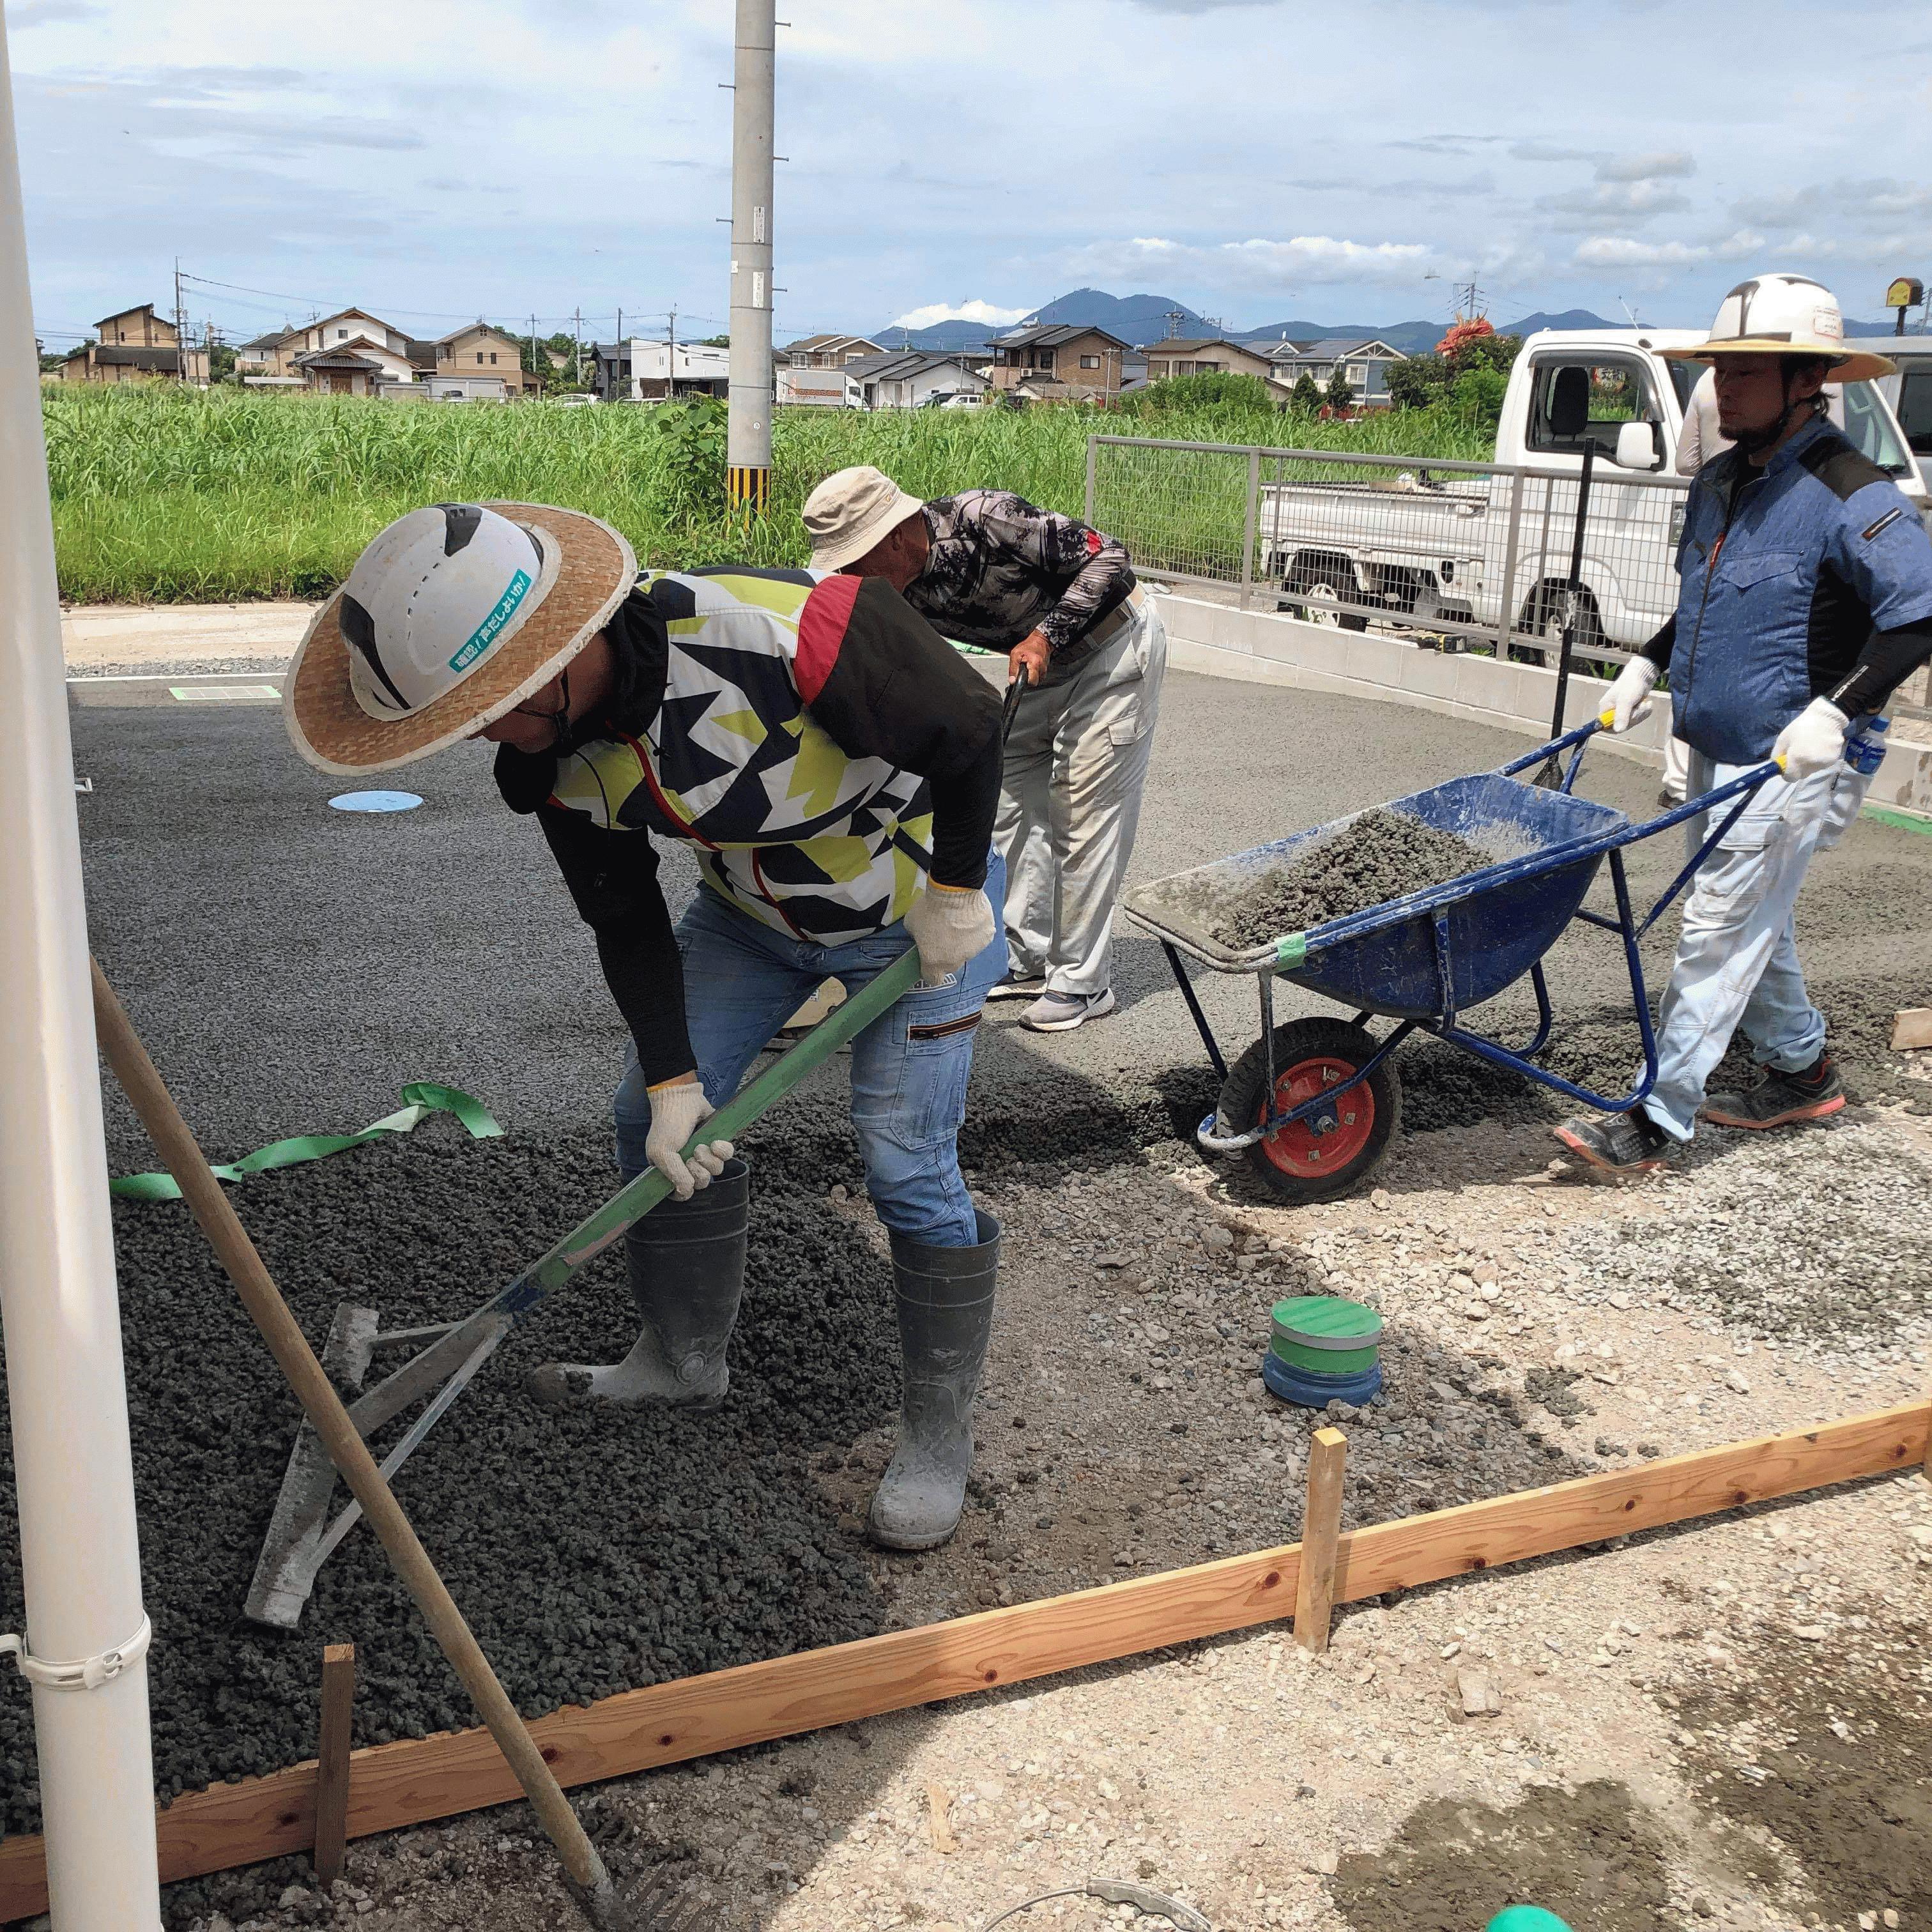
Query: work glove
{"x": 949, "y": 924}
{"x": 678, "y": 1109}
{"x": 1814, "y": 742}
{"x": 1629, "y": 701}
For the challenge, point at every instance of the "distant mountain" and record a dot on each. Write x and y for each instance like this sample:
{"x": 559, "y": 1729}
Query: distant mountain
{"x": 1141, "y": 319}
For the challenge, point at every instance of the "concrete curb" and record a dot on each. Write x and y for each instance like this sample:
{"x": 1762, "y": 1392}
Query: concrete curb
{"x": 1265, "y": 647}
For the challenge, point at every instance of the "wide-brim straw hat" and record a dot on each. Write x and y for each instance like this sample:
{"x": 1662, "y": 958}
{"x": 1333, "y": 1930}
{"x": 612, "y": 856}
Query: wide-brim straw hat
{"x": 594, "y": 571}
{"x": 1857, "y": 365}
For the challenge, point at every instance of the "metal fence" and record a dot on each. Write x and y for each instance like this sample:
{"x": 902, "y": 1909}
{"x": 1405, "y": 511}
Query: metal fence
{"x": 1467, "y": 555}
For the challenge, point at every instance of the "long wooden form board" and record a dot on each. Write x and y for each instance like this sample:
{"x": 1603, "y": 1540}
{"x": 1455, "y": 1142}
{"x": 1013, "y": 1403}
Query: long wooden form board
{"x": 419, "y": 1779}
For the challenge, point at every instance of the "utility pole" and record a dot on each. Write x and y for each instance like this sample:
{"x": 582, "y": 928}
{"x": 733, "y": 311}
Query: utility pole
{"x": 180, "y": 328}
{"x": 536, "y": 380}
{"x": 577, "y": 336}
{"x": 670, "y": 360}
{"x": 749, "y": 434}
{"x": 80, "y": 1558}
{"x": 1174, "y": 318}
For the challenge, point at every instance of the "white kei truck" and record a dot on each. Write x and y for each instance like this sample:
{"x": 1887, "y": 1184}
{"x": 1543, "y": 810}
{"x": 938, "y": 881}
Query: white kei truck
{"x": 1424, "y": 547}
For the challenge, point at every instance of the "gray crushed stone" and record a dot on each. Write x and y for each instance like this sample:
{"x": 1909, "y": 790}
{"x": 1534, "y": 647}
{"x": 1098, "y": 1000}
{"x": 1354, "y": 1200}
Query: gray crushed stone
{"x": 1749, "y": 1234}
{"x": 593, "y": 1549}
{"x": 1378, "y": 857}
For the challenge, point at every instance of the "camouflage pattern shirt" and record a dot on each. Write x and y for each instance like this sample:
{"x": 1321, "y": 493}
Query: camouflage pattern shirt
{"x": 1001, "y": 568}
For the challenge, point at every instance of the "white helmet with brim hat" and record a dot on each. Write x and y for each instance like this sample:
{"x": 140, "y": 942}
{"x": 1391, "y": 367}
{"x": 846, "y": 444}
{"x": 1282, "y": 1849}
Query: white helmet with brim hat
{"x": 1784, "y": 315}
{"x": 453, "y": 615}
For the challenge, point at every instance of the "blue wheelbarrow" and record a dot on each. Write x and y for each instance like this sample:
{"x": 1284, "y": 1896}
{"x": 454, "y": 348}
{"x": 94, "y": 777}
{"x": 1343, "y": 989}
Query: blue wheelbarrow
{"x": 1314, "y": 1104}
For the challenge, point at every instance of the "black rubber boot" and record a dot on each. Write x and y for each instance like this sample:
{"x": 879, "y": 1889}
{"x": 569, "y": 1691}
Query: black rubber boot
{"x": 687, "y": 1262}
{"x": 945, "y": 1297}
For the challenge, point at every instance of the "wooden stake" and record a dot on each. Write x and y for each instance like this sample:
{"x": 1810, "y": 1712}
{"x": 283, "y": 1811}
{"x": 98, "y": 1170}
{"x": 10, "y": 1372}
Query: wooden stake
{"x": 181, "y": 1155}
{"x": 331, "y": 1768}
{"x": 1911, "y": 1027}
{"x": 937, "y": 1802}
{"x": 1321, "y": 1536}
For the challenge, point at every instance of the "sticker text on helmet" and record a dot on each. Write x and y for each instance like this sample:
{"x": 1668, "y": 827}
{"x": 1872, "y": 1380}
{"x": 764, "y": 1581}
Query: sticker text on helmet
{"x": 486, "y": 632}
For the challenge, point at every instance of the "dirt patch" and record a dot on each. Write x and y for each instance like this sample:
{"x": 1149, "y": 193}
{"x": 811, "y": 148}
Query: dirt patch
{"x": 1821, "y": 1743}
{"x": 1375, "y": 858}
{"x": 1592, "y": 1856}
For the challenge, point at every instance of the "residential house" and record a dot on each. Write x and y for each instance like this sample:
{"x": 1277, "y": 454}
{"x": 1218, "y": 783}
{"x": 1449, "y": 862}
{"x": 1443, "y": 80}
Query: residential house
{"x": 478, "y": 348}
{"x": 1364, "y": 364}
{"x": 650, "y": 372}
{"x": 906, "y": 379}
{"x": 134, "y": 345}
{"x": 829, "y": 352}
{"x": 1059, "y": 362}
{"x": 1197, "y": 355}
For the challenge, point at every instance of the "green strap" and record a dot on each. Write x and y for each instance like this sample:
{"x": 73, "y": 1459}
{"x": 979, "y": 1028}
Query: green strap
{"x": 424, "y": 1098}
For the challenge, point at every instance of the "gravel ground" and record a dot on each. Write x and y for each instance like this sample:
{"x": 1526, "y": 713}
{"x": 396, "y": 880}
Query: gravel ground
{"x": 1529, "y": 1339}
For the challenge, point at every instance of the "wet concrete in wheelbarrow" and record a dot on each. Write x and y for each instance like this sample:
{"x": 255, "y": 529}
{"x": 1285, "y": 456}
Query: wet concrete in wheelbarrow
{"x": 349, "y": 976}
{"x": 1379, "y": 857}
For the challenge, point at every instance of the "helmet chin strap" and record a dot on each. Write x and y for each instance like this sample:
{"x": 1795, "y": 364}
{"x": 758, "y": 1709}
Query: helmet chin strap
{"x": 1752, "y": 441}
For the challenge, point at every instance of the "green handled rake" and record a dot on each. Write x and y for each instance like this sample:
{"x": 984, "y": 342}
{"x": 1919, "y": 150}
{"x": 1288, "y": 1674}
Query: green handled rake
{"x": 301, "y": 1536}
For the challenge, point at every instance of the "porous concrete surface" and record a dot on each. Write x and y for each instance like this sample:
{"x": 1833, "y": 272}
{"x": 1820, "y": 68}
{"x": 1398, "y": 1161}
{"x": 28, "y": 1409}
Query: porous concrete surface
{"x": 1379, "y": 857}
{"x": 137, "y": 639}
{"x": 355, "y": 975}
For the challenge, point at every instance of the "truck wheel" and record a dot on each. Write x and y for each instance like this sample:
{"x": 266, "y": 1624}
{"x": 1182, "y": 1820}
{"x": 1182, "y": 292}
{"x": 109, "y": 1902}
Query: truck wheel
{"x": 1321, "y": 604}
{"x": 1299, "y": 1162}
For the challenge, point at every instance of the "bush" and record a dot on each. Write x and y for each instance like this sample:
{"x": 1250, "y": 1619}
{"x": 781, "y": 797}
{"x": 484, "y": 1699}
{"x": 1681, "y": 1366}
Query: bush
{"x": 1306, "y": 396}
{"x": 1217, "y": 390}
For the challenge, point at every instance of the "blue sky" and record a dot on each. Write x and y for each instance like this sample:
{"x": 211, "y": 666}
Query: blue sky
{"x": 434, "y": 160}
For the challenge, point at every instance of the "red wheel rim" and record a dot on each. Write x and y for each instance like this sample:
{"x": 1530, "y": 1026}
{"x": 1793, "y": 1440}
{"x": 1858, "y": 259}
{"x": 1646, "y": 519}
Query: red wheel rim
{"x": 1296, "y": 1148}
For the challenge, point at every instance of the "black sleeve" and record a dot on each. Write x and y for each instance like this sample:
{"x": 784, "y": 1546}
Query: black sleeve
{"x": 893, "y": 687}
{"x": 1659, "y": 647}
{"x": 613, "y": 876}
{"x": 1888, "y": 658}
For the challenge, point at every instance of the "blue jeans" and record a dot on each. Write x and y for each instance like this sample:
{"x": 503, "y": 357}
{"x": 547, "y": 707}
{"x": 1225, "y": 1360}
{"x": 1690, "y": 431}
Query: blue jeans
{"x": 1737, "y": 956}
{"x": 743, "y": 981}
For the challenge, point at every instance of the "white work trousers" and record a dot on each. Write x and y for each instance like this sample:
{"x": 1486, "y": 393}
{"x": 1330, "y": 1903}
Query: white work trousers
{"x": 1737, "y": 954}
{"x": 1070, "y": 802}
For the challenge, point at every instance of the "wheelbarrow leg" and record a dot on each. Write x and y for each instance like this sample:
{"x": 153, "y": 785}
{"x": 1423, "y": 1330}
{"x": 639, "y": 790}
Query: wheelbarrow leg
{"x": 1193, "y": 1000}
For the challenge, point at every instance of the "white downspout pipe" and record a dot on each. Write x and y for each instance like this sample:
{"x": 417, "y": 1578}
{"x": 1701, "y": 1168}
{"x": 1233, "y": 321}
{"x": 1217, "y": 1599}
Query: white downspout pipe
{"x": 68, "y": 1403}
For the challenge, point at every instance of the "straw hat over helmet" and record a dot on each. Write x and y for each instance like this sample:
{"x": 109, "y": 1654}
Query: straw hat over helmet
{"x": 1784, "y": 315}
{"x": 453, "y": 615}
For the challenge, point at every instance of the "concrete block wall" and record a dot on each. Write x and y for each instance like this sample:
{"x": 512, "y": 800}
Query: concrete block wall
{"x": 1266, "y": 647}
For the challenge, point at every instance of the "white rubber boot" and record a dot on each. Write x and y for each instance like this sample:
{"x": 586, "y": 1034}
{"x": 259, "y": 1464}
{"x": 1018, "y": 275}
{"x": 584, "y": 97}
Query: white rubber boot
{"x": 945, "y": 1297}
{"x": 687, "y": 1261}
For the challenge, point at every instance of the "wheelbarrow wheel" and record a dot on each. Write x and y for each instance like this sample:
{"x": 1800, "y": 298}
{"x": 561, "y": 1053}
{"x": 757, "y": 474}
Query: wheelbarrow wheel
{"x": 1299, "y": 1162}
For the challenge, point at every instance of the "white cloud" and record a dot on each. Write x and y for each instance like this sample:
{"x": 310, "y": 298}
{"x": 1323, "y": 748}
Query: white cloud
{"x": 1256, "y": 263}
{"x": 1619, "y": 251}
{"x": 935, "y": 312}
{"x": 1613, "y": 204}
{"x": 52, "y": 13}
{"x": 1656, "y": 166}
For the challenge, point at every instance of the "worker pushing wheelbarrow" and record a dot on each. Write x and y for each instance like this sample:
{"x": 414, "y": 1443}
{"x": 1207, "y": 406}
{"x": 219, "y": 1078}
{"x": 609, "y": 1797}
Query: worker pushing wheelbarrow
{"x": 1314, "y": 1103}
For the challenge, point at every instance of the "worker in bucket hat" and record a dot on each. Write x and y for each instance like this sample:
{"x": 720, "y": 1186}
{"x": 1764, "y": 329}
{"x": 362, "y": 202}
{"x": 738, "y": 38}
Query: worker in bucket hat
{"x": 835, "y": 767}
{"x": 1805, "y": 599}
{"x": 1060, "y": 600}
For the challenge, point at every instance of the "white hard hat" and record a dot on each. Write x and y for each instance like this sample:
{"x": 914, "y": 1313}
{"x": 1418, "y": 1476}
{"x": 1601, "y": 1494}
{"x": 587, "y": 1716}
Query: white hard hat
{"x": 1784, "y": 315}
{"x": 430, "y": 597}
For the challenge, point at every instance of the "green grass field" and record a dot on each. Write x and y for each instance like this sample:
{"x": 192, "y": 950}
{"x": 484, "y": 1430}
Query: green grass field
{"x": 165, "y": 495}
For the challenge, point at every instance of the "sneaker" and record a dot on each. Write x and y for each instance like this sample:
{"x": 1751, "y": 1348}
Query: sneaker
{"x": 1019, "y": 986}
{"x": 1630, "y": 1143}
{"x": 1776, "y": 1100}
{"x": 1060, "y": 1012}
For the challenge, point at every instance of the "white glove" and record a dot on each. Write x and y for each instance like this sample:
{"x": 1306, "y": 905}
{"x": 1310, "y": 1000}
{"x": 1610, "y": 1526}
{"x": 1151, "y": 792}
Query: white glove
{"x": 678, "y": 1109}
{"x": 1814, "y": 742}
{"x": 949, "y": 924}
{"x": 1630, "y": 696}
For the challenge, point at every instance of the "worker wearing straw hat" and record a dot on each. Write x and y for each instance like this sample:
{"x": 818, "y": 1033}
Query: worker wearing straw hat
{"x": 836, "y": 768}
{"x": 1060, "y": 600}
{"x": 1805, "y": 599}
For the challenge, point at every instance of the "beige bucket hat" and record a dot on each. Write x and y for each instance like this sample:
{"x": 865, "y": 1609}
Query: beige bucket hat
{"x": 587, "y": 569}
{"x": 850, "y": 511}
